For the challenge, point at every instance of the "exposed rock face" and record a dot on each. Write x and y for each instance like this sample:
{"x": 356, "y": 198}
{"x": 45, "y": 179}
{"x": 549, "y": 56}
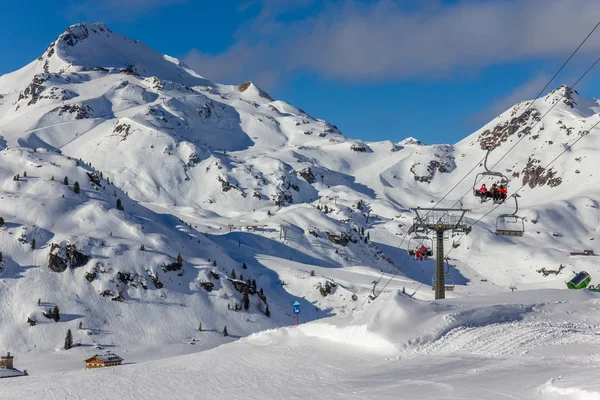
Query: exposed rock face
{"x": 490, "y": 139}
{"x": 80, "y": 111}
{"x": 308, "y": 175}
{"x": 63, "y": 256}
{"x": 432, "y": 167}
{"x": 35, "y": 89}
{"x": 123, "y": 130}
{"x": 535, "y": 175}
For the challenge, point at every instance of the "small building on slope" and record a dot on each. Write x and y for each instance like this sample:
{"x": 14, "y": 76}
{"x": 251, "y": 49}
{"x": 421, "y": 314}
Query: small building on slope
{"x": 103, "y": 360}
{"x": 7, "y": 369}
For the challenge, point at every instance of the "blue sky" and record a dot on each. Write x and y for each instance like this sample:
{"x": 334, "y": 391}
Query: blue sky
{"x": 435, "y": 70}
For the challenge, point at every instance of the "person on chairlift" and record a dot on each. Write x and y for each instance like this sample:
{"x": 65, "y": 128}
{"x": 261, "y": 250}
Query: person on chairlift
{"x": 493, "y": 193}
{"x": 417, "y": 254}
{"x": 483, "y": 190}
{"x": 502, "y": 192}
{"x": 423, "y": 251}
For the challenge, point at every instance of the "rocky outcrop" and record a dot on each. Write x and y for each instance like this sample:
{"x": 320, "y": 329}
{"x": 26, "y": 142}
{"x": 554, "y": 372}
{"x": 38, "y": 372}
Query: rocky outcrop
{"x": 492, "y": 138}
{"x": 535, "y": 175}
{"x": 79, "y": 111}
{"x": 64, "y": 256}
{"x": 308, "y": 175}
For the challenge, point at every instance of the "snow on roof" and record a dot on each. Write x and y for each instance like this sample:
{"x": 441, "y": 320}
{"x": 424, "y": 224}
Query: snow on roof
{"x": 108, "y": 357}
{"x": 9, "y": 373}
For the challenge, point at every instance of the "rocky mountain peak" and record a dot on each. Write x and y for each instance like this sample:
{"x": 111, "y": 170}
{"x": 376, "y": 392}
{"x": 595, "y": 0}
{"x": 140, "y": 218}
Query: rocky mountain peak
{"x": 250, "y": 88}
{"x": 569, "y": 96}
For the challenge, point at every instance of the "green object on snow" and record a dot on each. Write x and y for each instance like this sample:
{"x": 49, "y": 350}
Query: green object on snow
{"x": 579, "y": 281}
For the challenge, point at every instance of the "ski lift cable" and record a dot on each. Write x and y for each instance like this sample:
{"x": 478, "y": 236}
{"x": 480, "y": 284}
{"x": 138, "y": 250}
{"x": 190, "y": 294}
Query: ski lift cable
{"x": 509, "y": 150}
{"x": 533, "y": 126}
{"x": 568, "y": 148}
{"x": 526, "y": 109}
{"x": 522, "y": 137}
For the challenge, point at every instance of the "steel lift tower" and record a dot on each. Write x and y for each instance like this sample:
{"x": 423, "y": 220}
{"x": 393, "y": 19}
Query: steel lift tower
{"x": 439, "y": 220}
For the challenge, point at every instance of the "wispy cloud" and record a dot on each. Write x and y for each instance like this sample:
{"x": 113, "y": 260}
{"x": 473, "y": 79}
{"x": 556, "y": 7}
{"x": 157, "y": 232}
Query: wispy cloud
{"x": 525, "y": 91}
{"x": 357, "y": 41}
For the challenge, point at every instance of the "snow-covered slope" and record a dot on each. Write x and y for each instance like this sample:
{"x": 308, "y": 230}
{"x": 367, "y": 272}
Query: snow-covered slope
{"x": 532, "y": 345}
{"x": 232, "y": 179}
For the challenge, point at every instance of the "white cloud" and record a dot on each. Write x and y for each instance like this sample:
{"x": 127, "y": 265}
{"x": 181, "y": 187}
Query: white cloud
{"x": 357, "y": 41}
{"x": 525, "y": 91}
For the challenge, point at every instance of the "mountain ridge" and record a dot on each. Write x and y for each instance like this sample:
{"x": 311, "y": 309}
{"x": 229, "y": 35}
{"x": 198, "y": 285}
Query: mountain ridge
{"x": 228, "y": 177}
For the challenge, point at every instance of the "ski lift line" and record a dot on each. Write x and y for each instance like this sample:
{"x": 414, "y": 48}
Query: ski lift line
{"x": 526, "y": 109}
{"x": 550, "y": 109}
{"x": 518, "y": 141}
{"x": 568, "y": 148}
{"x": 537, "y": 122}
{"x": 509, "y": 150}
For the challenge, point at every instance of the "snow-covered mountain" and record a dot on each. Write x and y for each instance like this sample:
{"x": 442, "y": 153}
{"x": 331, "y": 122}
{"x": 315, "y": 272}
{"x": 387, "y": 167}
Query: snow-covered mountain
{"x": 231, "y": 179}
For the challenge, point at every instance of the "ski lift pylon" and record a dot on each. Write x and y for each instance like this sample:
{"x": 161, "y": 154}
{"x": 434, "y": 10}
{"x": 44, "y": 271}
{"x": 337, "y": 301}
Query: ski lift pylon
{"x": 513, "y": 218}
{"x": 448, "y": 279}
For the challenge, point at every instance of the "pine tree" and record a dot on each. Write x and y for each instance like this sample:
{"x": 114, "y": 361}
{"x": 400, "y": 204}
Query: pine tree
{"x": 200, "y": 327}
{"x": 142, "y": 248}
{"x": 68, "y": 340}
{"x": 55, "y": 314}
{"x": 244, "y": 266}
{"x": 268, "y": 312}
{"x": 312, "y": 272}
{"x": 325, "y": 209}
{"x": 80, "y": 325}
{"x": 52, "y": 179}
{"x": 66, "y": 181}
{"x": 179, "y": 259}
{"x": 24, "y": 174}
{"x": 225, "y": 332}
{"x": 368, "y": 235}
{"x": 120, "y": 205}
{"x": 1, "y": 221}
{"x": 253, "y": 284}
{"x": 246, "y": 301}
{"x": 1, "y": 256}
{"x": 241, "y": 277}
{"x": 214, "y": 263}
{"x": 233, "y": 275}
{"x": 33, "y": 244}
{"x": 269, "y": 213}
{"x": 39, "y": 302}
{"x": 76, "y": 187}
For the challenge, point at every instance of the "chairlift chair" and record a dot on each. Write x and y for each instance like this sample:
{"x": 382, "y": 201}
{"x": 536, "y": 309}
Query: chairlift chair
{"x": 419, "y": 240}
{"x": 518, "y": 224}
{"x": 503, "y": 180}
